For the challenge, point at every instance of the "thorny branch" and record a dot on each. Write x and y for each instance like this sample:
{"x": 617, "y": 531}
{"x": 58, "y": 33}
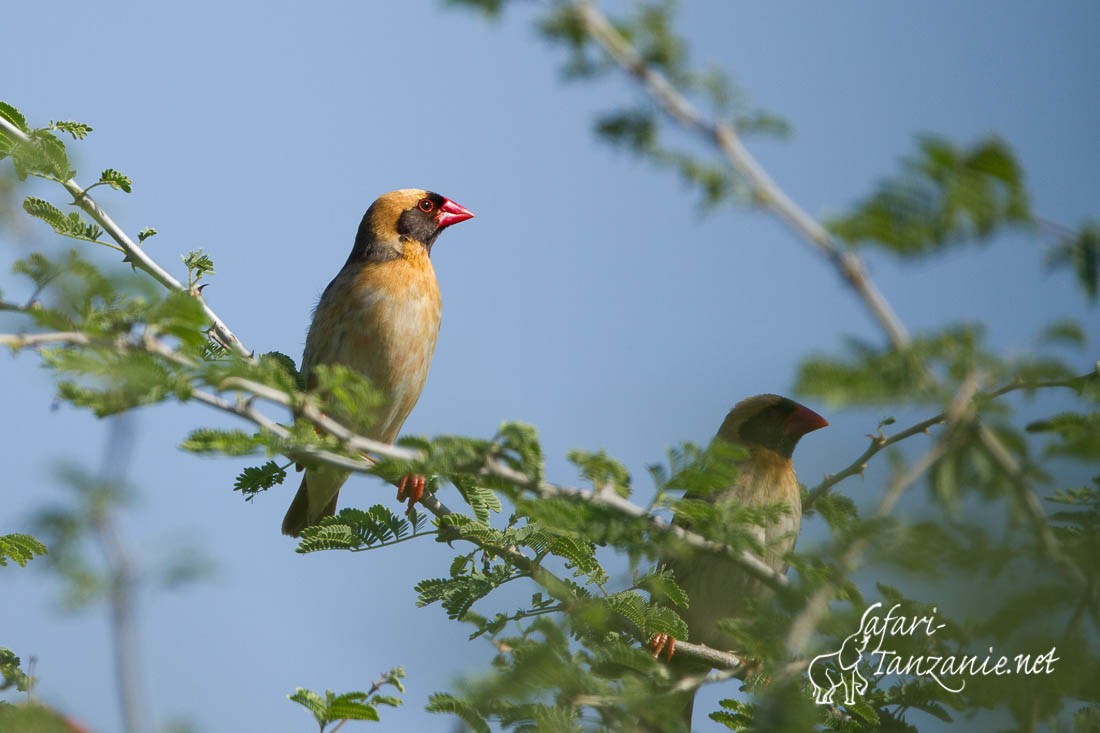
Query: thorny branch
{"x": 245, "y": 408}
{"x": 134, "y": 253}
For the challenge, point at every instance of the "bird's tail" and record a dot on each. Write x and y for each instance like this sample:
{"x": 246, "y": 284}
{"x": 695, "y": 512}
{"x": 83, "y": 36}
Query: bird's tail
{"x": 316, "y": 498}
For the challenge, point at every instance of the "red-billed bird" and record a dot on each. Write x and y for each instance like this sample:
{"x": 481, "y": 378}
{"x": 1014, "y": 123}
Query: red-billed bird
{"x": 379, "y": 316}
{"x": 767, "y": 427}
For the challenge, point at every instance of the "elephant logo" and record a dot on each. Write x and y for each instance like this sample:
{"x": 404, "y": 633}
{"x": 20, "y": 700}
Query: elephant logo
{"x": 827, "y": 672}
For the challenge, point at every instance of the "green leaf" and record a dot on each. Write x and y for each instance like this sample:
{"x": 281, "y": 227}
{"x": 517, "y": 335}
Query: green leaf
{"x": 491, "y": 8}
{"x": 43, "y": 154}
{"x": 312, "y": 702}
{"x": 521, "y": 449}
{"x": 482, "y": 500}
{"x": 1082, "y": 254}
{"x": 634, "y": 129}
{"x": 146, "y": 233}
{"x": 69, "y": 225}
{"x": 442, "y": 702}
{"x": 601, "y": 471}
{"x": 357, "y": 530}
{"x": 14, "y": 116}
{"x": 8, "y": 142}
{"x": 1067, "y": 332}
{"x": 38, "y": 268}
{"x": 198, "y": 265}
{"x": 116, "y": 180}
{"x": 78, "y": 130}
{"x": 254, "y": 479}
{"x": 225, "y": 442}
{"x": 945, "y": 195}
{"x": 351, "y": 706}
{"x": 20, "y": 548}
{"x": 12, "y": 672}
{"x": 279, "y": 360}
{"x": 1078, "y": 434}
{"x": 45, "y": 211}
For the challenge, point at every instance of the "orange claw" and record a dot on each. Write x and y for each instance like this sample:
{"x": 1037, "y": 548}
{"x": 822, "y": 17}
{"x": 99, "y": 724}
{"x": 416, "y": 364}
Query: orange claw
{"x": 661, "y": 642}
{"x": 411, "y": 487}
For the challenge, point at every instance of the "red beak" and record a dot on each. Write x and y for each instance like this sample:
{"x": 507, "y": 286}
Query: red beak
{"x": 452, "y": 213}
{"x": 804, "y": 420}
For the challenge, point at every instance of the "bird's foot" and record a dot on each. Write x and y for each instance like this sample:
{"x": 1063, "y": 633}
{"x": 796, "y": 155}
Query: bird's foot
{"x": 662, "y": 643}
{"x": 411, "y": 487}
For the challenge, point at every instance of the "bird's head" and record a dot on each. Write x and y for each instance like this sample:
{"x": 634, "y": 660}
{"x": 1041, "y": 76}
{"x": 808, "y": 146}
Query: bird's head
{"x": 408, "y": 215}
{"x": 769, "y": 421}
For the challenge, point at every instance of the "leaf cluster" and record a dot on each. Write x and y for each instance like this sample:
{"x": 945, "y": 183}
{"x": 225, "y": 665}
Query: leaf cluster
{"x": 332, "y": 708}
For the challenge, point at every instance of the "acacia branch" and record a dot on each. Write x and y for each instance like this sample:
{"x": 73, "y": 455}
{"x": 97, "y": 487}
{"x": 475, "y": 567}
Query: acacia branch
{"x": 134, "y": 253}
{"x": 244, "y": 408}
{"x": 880, "y": 442}
{"x": 723, "y": 135}
{"x": 49, "y": 338}
{"x": 962, "y": 409}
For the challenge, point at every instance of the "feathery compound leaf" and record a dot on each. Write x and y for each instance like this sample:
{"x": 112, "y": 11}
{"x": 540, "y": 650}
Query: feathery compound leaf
{"x": 601, "y": 470}
{"x": 43, "y": 154}
{"x": 254, "y": 479}
{"x": 78, "y": 130}
{"x": 279, "y": 360}
{"x": 312, "y": 702}
{"x": 482, "y": 500}
{"x": 663, "y": 586}
{"x": 521, "y": 448}
{"x": 70, "y": 225}
{"x": 351, "y": 706}
{"x": 1067, "y": 332}
{"x": 116, "y": 180}
{"x": 457, "y": 594}
{"x": 226, "y": 442}
{"x": 1082, "y": 255}
{"x": 11, "y": 671}
{"x": 945, "y": 195}
{"x": 45, "y": 211}
{"x": 38, "y": 268}
{"x": 328, "y": 537}
{"x": 20, "y": 548}
{"x": 442, "y": 702}
{"x": 1079, "y": 434}
{"x": 14, "y": 116}
{"x": 8, "y": 142}
{"x": 198, "y": 265}
{"x": 356, "y": 530}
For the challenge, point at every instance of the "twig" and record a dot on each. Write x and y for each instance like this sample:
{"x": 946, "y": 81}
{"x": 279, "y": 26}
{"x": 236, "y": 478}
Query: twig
{"x": 1027, "y": 499}
{"x": 748, "y": 561}
{"x": 804, "y": 624}
{"x": 881, "y": 442}
{"x": 135, "y": 253}
{"x": 49, "y": 338}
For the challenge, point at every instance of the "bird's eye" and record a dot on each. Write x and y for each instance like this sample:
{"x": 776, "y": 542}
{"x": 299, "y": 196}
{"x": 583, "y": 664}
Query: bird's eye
{"x": 425, "y": 205}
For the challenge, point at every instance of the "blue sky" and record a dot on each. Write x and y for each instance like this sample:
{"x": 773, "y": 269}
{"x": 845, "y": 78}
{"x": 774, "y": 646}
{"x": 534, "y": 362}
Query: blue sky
{"x": 589, "y": 297}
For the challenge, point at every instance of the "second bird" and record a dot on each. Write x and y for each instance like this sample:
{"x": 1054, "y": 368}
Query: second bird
{"x": 379, "y": 316}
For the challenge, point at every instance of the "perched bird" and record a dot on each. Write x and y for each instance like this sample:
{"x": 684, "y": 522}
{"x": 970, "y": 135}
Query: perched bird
{"x": 767, "y": 427}
{"x": 379, "y": 316}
